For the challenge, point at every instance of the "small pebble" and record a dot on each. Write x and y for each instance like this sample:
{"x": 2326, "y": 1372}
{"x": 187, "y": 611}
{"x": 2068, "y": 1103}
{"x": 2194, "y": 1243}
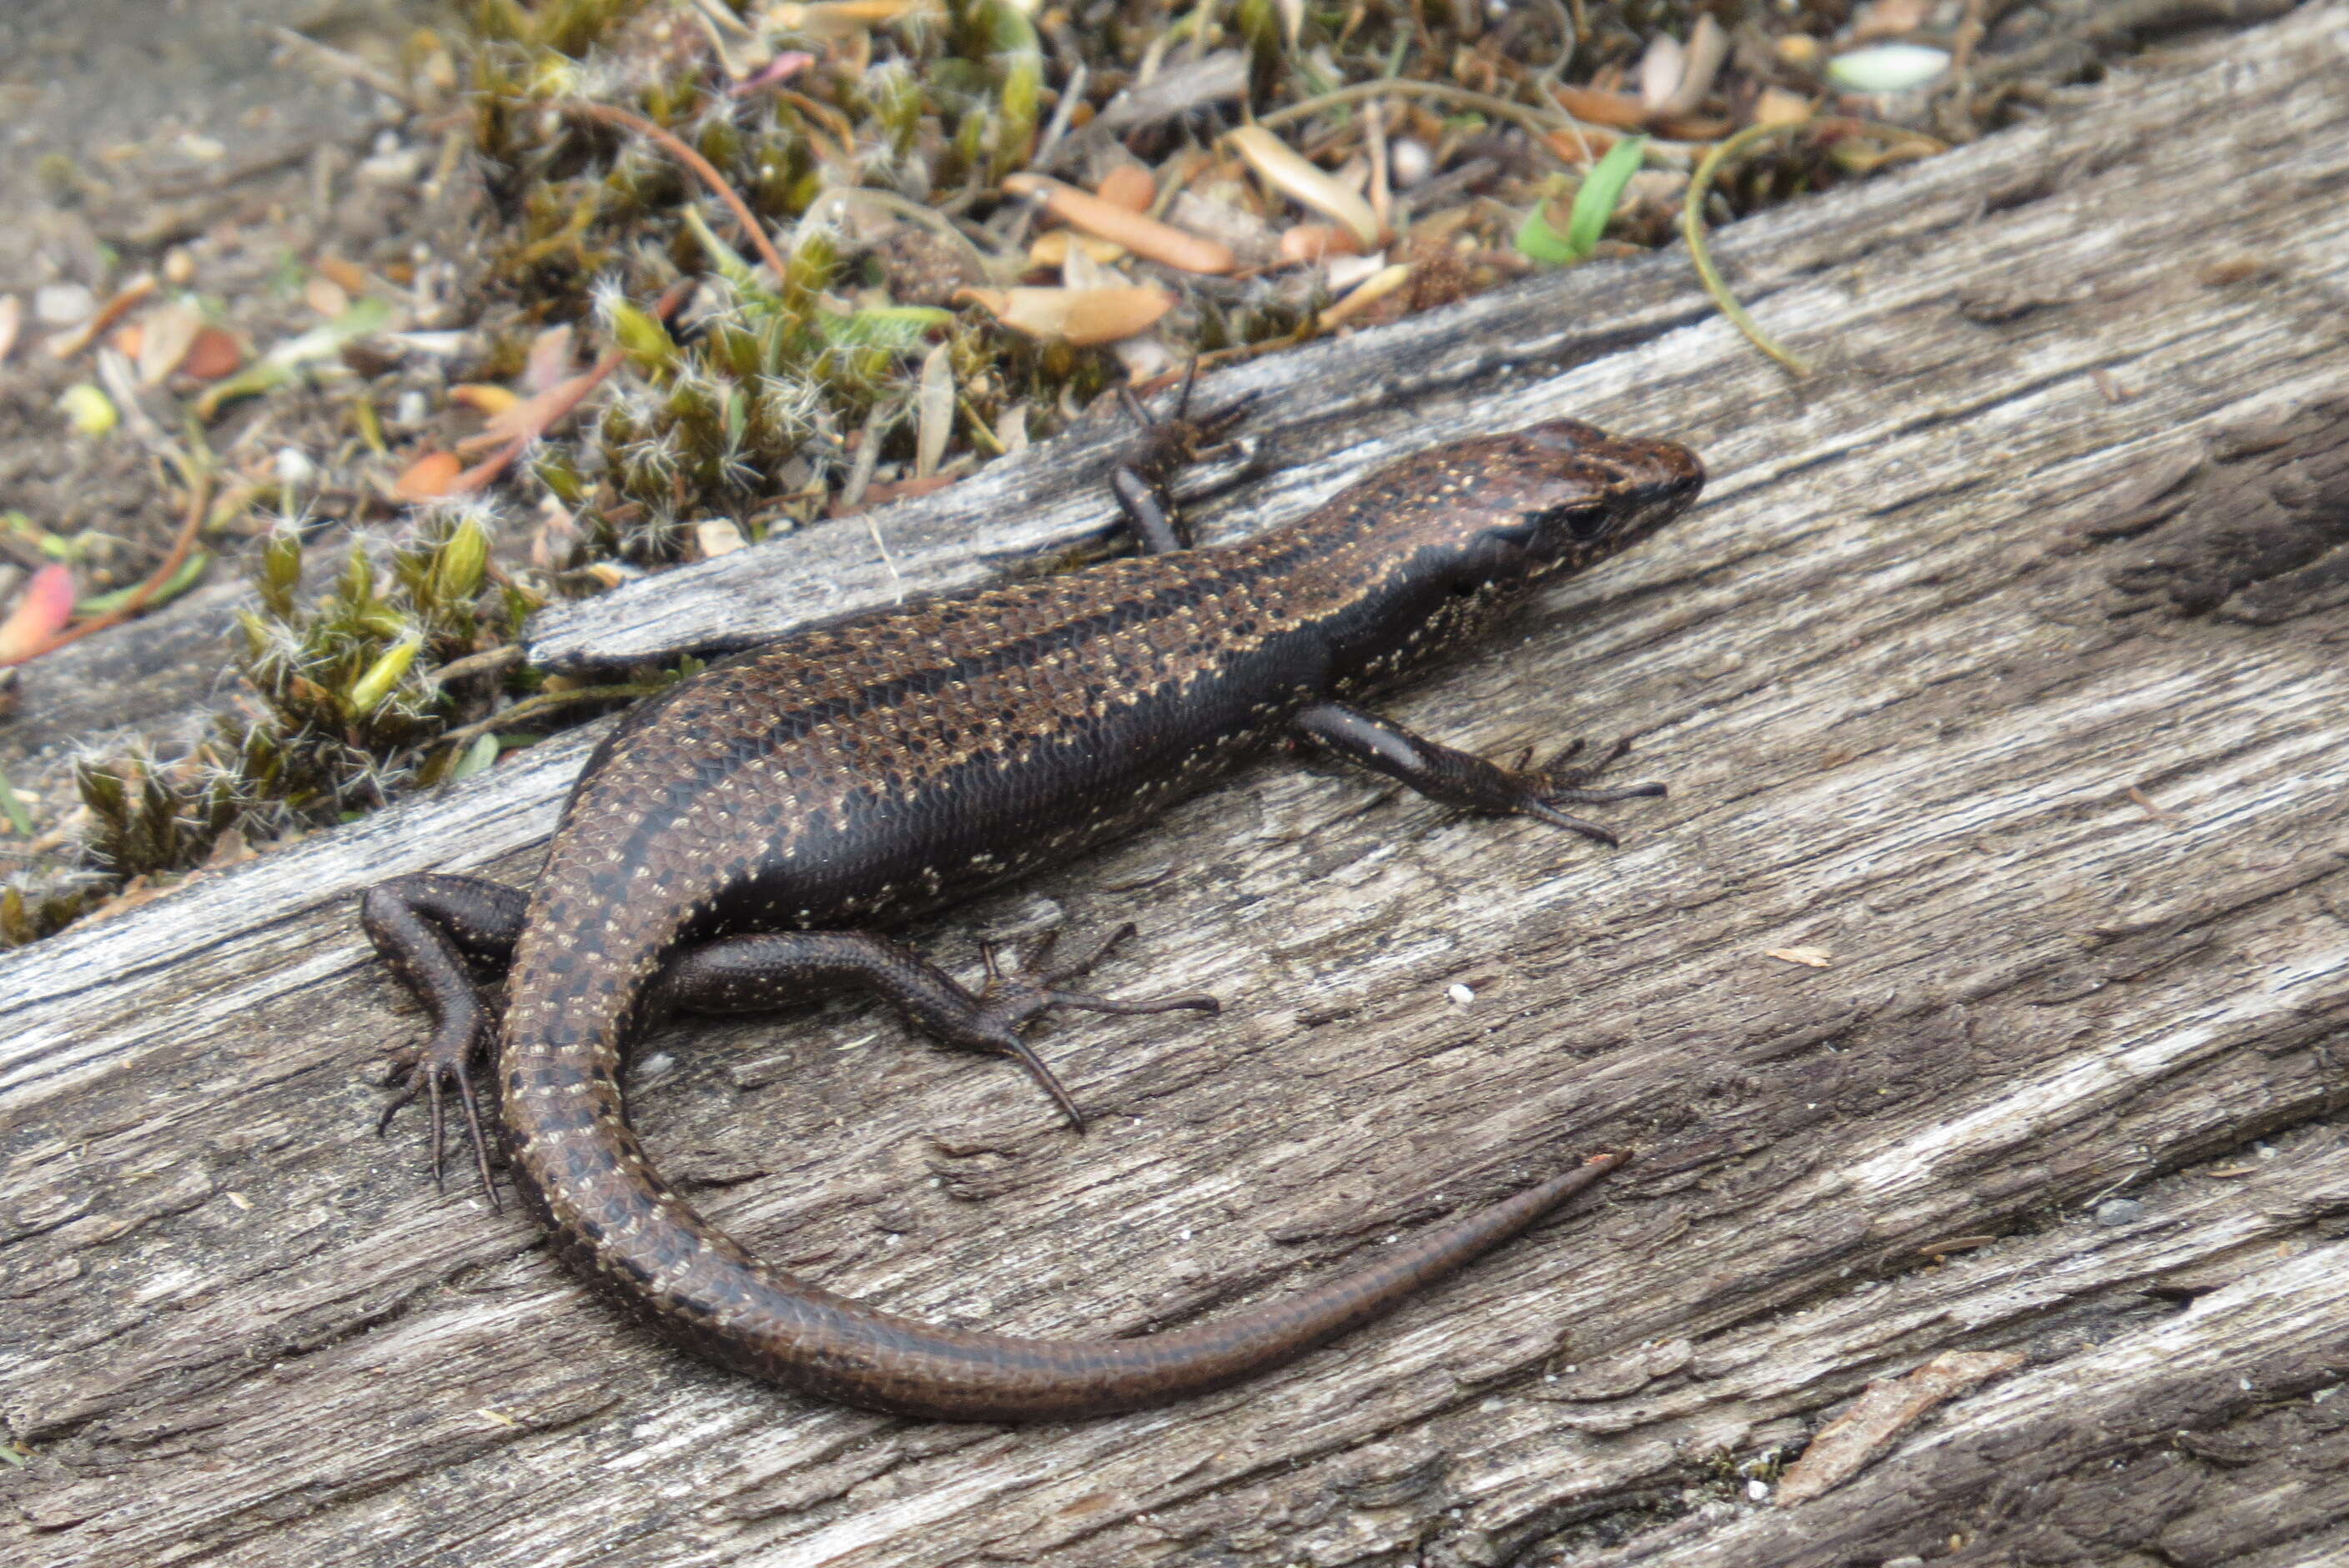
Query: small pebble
{"x": 2119, "y": 1211}
{"x": 1461, "y": 995}
{"x": 62, "y": 304}
{"x": 1757, "y": 1490}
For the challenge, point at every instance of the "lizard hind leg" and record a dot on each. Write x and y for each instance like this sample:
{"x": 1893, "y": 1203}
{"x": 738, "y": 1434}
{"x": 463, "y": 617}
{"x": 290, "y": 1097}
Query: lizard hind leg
{"x": 433, "y": 930}
{"x": 759, "y": 972}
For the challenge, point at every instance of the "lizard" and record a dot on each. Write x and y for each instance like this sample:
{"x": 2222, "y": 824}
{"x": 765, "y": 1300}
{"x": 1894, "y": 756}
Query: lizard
{"x": 738, "y": 842}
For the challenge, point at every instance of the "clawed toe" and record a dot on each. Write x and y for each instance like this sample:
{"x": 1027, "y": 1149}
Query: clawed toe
{"x": 1555, "y": 783}
{"x": 1010, "y": 1000}
{"x": 425, "y": 1074}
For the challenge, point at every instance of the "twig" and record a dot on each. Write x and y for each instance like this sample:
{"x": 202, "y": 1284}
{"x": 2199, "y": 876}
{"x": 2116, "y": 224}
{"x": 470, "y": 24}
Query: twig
{"x": 1693, "y": 230}
{"x": 1970, "y": 36}
{"x": 348, "y": 65}
{"x": 1072, "y": 93}
{"x": 574, "y": 392}
{"x": 547, "y": 702}
{"x": 676, "y": 146}
{"x": 487, "y": 662}
{"x": 1532, "y": 119}
{"x": 834, "y": 120}
{"x": 200, "y": 502}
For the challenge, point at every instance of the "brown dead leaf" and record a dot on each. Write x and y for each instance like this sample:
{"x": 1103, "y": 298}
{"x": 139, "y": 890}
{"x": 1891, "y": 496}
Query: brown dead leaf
{"x": 345, "y": 275}
{"x": 214, "y": 353}
{"x": 1622, "y": 110}
{"x": 483, "y": 399}
{"x": 428, "y": 478}
{"x": 1129, "y": 186}
{"x": 1083, "y": 317}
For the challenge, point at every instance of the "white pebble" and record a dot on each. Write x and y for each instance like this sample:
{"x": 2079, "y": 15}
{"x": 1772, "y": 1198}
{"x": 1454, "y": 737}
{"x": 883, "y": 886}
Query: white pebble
{"x": 1461, "y": 995}
{"x": 62, "y": 304}
{"x": 1887, "y": 67}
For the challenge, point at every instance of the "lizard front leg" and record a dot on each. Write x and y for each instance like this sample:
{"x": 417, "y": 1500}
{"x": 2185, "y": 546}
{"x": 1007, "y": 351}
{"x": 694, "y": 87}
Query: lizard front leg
{"x": 1460, "y": 779}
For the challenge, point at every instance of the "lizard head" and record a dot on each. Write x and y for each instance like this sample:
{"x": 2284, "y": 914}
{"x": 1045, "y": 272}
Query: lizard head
{"x": 1444, "y": 542}
{"x": 1557, "y": 496}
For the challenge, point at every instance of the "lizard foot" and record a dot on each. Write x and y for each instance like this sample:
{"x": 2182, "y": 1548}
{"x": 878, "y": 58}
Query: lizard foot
{"x": 1011, "y": 999}
{"x": 430, "y": 1072}
{"x": 1560, "y": 781}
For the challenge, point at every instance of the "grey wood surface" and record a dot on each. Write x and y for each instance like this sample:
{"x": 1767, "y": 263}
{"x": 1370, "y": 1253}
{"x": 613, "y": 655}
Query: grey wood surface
{"x": 2068, "y": 1083}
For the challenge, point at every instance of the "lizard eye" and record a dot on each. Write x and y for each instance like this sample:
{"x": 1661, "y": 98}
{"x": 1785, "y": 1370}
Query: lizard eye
{"x": 1584, "y": 521}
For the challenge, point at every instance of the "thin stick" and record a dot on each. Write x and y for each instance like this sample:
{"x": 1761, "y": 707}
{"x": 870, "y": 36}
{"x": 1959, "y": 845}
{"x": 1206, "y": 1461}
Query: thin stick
{"x": 547, "y": 702}
{"x": 1531, "y": 120}
{"x": 200, "y": 502}
{"x": 1693, "y": 230}
{"x": 676, "y": 146}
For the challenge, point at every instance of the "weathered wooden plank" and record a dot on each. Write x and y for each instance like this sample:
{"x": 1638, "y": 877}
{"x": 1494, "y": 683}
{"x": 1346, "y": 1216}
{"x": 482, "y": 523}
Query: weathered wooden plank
{"x": 1880, "y": 669}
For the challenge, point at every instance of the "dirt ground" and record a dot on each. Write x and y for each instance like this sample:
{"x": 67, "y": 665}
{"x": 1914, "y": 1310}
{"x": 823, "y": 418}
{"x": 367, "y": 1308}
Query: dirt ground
{"x": 131, "y": 126}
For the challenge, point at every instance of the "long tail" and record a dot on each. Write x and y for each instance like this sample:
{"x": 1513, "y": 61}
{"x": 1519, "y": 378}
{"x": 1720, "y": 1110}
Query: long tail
{"x": 611, "y": 1216}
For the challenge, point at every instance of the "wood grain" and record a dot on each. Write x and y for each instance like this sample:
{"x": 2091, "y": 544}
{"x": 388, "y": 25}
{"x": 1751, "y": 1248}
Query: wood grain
{"x": 2070, "y": 1083}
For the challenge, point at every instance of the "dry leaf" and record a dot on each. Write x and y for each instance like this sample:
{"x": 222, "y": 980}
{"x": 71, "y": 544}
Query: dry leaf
{"x": 934, "y": 402}
{"x": 1291, "y": 174}
{"x": 1372, "y": 290}
{"x": 214, "y": 353}
{"x": 1051, "y": 249}
{"x": 1622, "y": 110}
{"x": 1083, "y": 317}
{"x": 1144, "y": 236}
{"x": 1129, "y": 186}
{"x": 325, "y": 296}
{"x": 428, "y": 478}
{"x": 1776, "y": 106}
{"x": 532, "y": 416}
{"x": 1312, "y": 242}
{"x": 483, "y": 399}
{"x": 169, "y": 334}
{"x": 1661, "y": 70}
{"x": 1707, "y": 49}
{"x": 40, "y": 614}
{"x": 343, "y": 274}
